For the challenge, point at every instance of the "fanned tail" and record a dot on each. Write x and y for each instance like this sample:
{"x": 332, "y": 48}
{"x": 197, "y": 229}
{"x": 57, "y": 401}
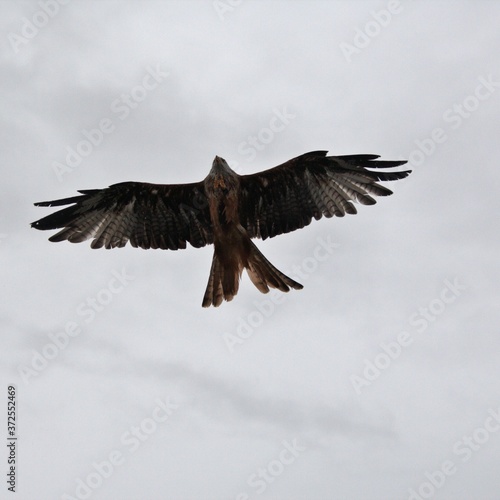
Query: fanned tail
{"x": 225, "y": 273}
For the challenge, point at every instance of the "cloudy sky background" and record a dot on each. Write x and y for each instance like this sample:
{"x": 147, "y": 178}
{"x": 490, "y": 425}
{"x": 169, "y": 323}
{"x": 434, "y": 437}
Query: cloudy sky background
{"x": 243, "y": 382}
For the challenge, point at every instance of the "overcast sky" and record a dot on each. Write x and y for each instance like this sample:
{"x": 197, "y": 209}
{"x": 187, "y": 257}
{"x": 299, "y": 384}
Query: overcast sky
{"x": 378, "y": 380}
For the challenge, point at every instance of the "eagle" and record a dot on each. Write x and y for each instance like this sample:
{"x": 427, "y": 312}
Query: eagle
{"x": 227, "y": 210}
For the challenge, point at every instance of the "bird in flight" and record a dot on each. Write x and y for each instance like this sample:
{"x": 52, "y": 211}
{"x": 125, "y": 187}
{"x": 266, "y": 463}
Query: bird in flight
{"x": 226, "y": 210}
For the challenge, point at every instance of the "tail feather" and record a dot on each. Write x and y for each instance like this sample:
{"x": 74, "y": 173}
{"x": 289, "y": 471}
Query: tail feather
{"x": 224, "y": 279}
{"x": 214, "y": 292}
{"x": 264, "y": 275}
{"x": 225, "y": 273}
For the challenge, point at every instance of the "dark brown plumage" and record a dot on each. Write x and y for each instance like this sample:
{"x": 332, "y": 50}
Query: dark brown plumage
{"x": 225, "y": 209}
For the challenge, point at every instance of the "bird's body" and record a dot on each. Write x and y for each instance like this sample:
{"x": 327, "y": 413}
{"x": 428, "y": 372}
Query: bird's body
{"x": 234, "y": 250}
{"x": 225, "y": 209}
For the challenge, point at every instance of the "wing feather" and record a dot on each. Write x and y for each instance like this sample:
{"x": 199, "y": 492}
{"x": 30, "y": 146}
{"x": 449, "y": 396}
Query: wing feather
{"x": 146, "y": 215}
{"x": 313, "y": 185}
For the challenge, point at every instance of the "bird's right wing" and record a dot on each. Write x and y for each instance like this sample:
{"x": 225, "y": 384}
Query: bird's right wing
{"x": 148, "y": 215}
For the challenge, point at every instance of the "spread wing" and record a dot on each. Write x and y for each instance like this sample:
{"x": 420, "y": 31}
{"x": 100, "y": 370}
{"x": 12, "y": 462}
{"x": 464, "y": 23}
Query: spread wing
{"x": 287, "y": 197}
{"x": 147, "y": 215}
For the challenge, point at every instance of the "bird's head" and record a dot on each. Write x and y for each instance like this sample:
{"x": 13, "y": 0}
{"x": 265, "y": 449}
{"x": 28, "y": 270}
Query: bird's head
{"x": 221, "y": 174}
{"x": 220, "y": 166}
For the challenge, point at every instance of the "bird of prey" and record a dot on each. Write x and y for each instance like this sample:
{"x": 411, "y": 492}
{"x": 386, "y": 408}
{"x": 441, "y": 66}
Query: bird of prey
{"x": 226, "y": 210}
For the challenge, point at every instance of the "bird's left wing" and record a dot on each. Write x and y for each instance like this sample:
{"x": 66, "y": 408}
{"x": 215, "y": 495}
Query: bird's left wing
{"x": 313, "y": 185}
{"x": 148, "y": 215}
